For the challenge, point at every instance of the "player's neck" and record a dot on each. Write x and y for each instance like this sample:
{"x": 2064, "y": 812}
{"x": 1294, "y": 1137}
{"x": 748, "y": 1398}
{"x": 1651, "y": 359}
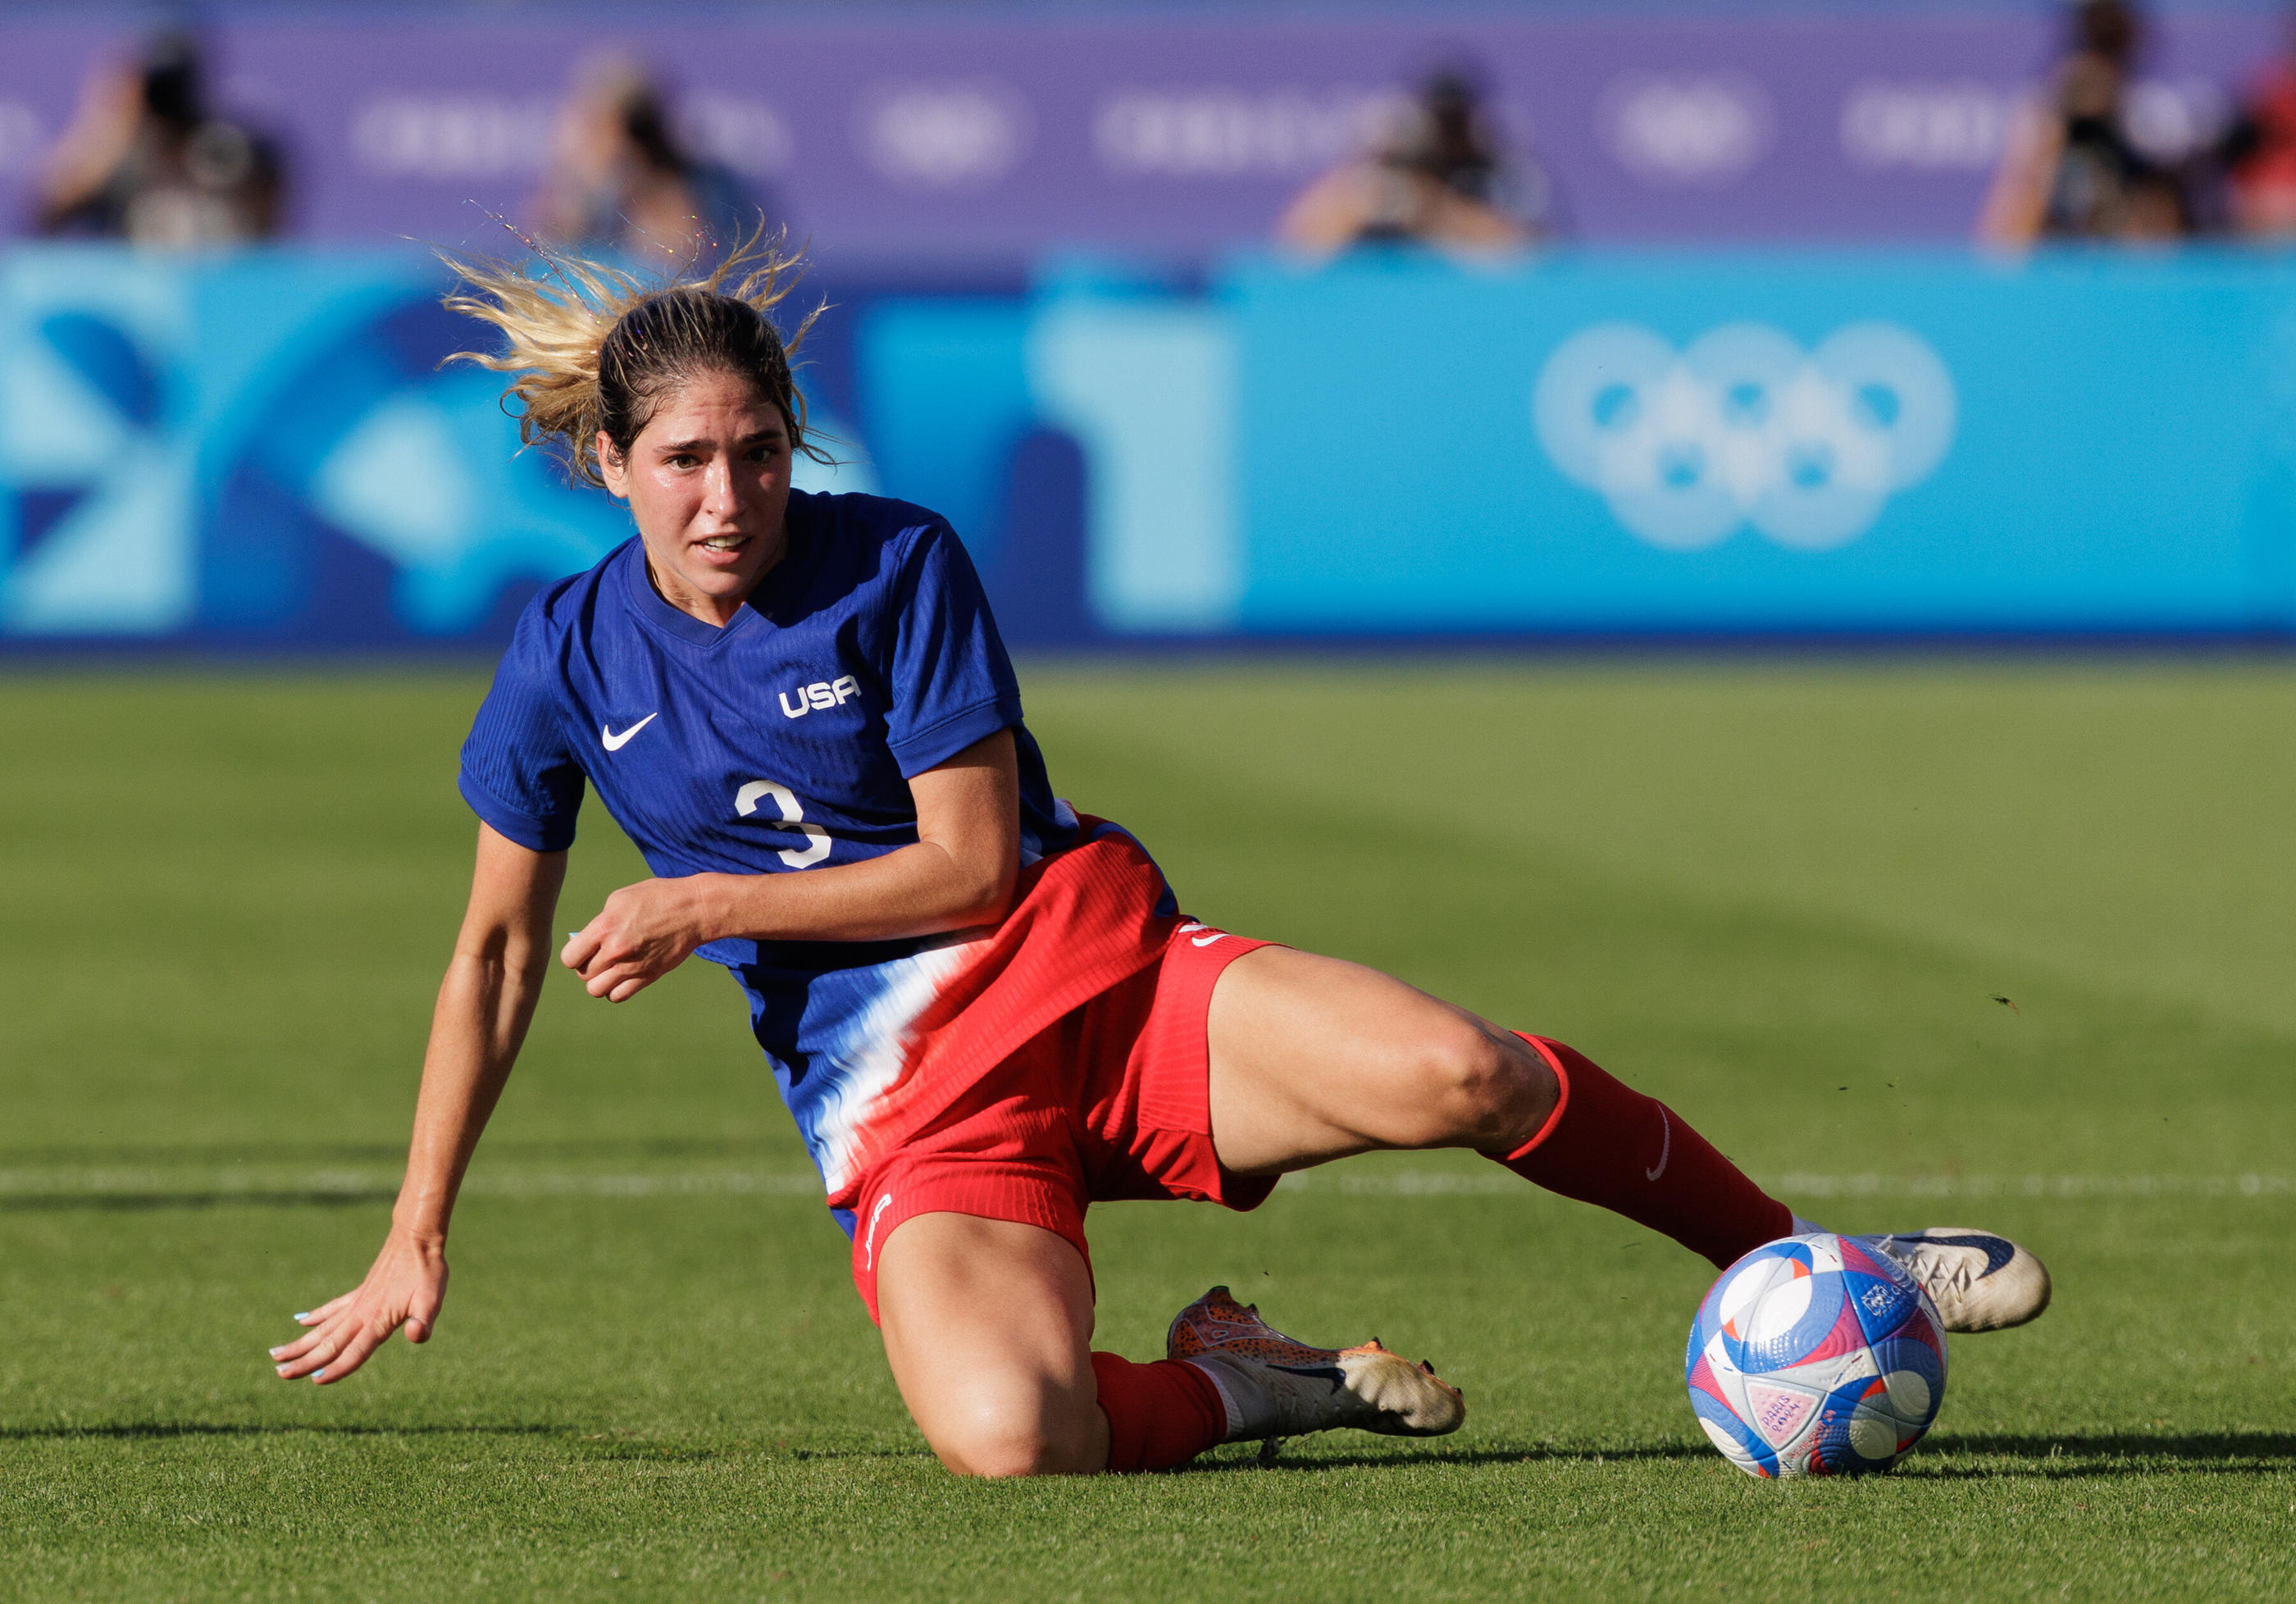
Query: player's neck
{"x": 717, "y": 609}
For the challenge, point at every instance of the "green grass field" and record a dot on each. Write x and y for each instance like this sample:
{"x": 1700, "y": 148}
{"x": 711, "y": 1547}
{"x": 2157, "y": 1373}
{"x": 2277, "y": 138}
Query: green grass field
{"x": 1785, "y": 898}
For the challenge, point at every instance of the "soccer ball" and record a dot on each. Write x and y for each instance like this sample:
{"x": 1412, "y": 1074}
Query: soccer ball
{"x": 1816, "y": 1356}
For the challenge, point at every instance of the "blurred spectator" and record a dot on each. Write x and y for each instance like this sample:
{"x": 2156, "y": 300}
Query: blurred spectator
{"x": 2259, "y": 149}
{"x": 2074, "y": 168}
{"x": 143, "y": 159}
{"x": 621, "y": 180}
{"x": 1438, "y": 178}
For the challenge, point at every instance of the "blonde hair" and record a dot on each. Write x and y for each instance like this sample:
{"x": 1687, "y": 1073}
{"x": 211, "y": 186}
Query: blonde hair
{"x": 597, "y": 348}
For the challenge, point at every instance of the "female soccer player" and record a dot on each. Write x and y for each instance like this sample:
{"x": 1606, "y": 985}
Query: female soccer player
{"x": 984, "y": 1009}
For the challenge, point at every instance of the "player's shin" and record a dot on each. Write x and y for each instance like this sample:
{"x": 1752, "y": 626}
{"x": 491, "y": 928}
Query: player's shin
{"x": 1610, "y": 1145}
{"x": 1159, "y": 1415}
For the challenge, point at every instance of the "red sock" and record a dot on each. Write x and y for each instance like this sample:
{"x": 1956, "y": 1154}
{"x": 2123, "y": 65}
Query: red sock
{"x": 1159, "y": 1415}
{"x": 1608, "y": 1144}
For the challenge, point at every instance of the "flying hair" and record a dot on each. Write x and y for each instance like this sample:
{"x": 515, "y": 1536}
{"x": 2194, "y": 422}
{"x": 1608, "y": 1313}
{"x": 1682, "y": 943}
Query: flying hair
{"x": 595, "y": 347}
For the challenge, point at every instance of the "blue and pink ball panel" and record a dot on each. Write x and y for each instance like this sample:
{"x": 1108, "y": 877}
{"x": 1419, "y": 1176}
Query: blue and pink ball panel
{"x": 1815, "y": 1355}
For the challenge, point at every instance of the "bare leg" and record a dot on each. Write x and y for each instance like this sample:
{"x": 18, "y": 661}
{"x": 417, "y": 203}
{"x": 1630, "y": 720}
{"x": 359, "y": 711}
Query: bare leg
{"x": 988, "y": 1325}
{"x": 1314, "y": 1059}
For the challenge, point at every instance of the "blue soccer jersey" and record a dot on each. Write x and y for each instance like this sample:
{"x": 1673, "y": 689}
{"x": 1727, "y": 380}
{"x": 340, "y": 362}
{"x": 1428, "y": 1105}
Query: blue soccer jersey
{"x": 784, "y": 741}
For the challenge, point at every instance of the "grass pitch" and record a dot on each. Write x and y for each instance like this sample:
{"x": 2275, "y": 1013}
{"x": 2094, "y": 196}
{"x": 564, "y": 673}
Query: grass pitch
{"x": 1787, "y": 899}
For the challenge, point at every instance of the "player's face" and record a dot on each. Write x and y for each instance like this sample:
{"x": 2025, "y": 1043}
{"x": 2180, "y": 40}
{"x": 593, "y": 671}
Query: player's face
{"x": 707, "y": 481}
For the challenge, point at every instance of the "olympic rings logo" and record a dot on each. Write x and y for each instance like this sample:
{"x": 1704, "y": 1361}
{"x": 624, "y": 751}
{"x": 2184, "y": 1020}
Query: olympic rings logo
{"x": 1745, "y": 427}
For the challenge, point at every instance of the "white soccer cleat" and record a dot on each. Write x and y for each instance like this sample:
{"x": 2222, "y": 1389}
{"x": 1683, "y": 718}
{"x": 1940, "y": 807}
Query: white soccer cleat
{"x": 1276, "y": 1387}
{"x": 1979, "y": 1282}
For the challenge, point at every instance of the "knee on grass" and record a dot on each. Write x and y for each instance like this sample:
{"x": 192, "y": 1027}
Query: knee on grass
{"x": 1005, "y": 1437}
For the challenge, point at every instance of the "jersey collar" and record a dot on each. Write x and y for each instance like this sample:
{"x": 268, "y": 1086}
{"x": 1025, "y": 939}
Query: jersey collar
{"x": 756, "y": 612}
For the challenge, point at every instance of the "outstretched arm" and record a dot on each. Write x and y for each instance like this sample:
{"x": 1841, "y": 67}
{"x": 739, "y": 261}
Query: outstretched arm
{"x": 959, "y": 874}
{"x": 484, "y": 1006}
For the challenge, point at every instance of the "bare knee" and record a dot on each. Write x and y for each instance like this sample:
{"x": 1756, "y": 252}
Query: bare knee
{"x": 992, "y": 1451}
{"x": 1475, "y": 1088}
{"x": 996, "y": 1435}
{"x": 987, "y": 1327}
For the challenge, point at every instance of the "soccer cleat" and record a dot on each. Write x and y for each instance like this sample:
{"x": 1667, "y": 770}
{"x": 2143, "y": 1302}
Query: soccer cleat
{"x": 1274, "y": 1386}
{"x": 1979, "y": 1282}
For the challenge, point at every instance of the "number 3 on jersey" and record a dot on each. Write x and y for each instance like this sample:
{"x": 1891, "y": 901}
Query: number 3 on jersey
{"x": 817, "y": 838}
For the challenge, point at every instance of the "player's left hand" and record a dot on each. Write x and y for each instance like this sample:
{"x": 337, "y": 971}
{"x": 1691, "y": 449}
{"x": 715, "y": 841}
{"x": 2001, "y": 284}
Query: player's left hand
{"x": 642, "y": 933}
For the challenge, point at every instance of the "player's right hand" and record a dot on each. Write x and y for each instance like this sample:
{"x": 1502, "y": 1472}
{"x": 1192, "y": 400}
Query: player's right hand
{"x": 405, "y": 1287}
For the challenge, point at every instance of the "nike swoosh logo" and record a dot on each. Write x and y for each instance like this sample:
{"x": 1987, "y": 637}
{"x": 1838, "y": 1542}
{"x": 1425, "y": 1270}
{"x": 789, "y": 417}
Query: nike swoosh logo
{"x": 615, "y": 743}
{"x": 1206, "y": 940}
{"x": 1665, "y": 1146}
{"x": 1998, "y": 1251}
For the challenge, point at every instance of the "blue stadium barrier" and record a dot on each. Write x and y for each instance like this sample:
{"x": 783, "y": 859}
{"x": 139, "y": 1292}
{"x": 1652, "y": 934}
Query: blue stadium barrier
{"x": 263, "y": 451}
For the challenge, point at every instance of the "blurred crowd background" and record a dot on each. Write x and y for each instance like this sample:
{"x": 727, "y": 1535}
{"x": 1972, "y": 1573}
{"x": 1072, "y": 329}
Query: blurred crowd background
{"x": 1192, "y": 132}
{"x": 1100, "y": 271}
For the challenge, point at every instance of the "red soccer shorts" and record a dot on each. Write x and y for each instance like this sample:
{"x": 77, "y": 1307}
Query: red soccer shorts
{"x": 1111, "y": 1101}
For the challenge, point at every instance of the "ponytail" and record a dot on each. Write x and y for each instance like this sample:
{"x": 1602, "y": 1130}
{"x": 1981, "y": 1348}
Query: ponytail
{"x": 597, "y": 348}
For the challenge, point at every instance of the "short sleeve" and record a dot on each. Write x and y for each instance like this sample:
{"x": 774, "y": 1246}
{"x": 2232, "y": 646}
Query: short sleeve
{"x": 518, "y": 773}
{"x": 951, "y": 683}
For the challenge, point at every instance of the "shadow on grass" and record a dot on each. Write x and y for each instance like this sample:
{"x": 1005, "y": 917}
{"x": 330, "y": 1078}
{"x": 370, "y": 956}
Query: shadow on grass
{"x": 586, "y": 1441}
{"x": 2070, "y": 1456}
{"x": 2073, "y": 1454}
{"x": 1458, "y": 1457}
{"x": 2106, "y": 1454}
{"x": 147, "y": 1202}
{"x": 623, "y": 1148}
{"x": 155, "y": 1430}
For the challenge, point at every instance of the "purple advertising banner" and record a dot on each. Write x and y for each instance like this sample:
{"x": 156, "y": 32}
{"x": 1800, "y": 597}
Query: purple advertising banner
{"x": 997, "y": 139}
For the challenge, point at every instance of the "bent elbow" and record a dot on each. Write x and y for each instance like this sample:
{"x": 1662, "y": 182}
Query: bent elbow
{"x": 501, "y": 954}
{"x": 530, "y": 962}
{"x": 991, "y": 896}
